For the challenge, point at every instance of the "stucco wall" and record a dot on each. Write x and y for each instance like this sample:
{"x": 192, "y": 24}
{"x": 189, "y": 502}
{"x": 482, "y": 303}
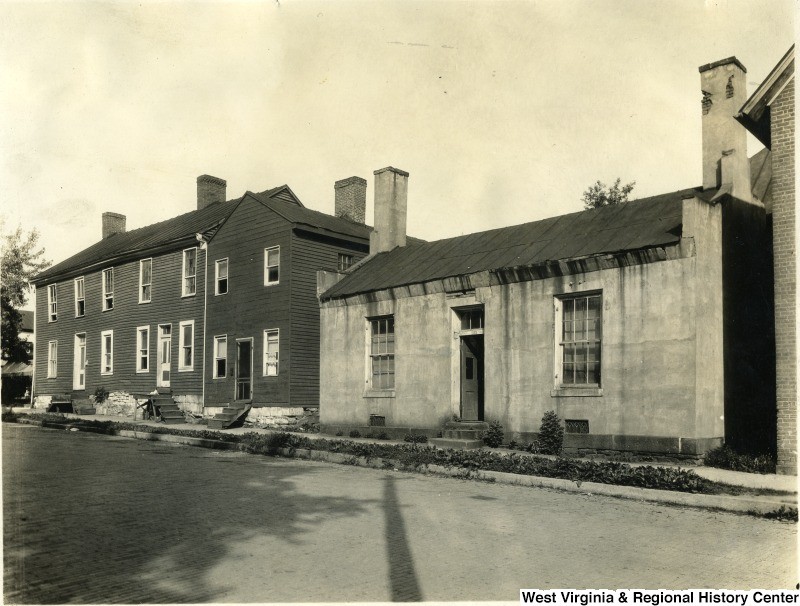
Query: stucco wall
{"x": 662, "y": 369}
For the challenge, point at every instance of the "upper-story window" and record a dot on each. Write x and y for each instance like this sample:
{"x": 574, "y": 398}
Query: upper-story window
{"x": 578, "y": 339}
{"x": 221, "y": 277}
{"x": 145, "y": 280}
{"x": 272, "y": 265}
{"x": 345, "y": 261}
{"x": 80, "y": 297}
{"x": 52, "y": 302}
{"x": 189, "y": 272}
{"x": 108, "y": 289}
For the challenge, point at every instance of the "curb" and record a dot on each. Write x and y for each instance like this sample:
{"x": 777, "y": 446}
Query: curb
{"x": 729, "y": 503}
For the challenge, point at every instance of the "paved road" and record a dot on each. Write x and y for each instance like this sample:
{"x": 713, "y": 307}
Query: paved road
{"x": 91, "y": 519}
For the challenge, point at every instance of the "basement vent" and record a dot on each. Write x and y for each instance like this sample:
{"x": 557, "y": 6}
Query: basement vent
{"x": 377, "y": 421}
{"x": 576, "y": 426}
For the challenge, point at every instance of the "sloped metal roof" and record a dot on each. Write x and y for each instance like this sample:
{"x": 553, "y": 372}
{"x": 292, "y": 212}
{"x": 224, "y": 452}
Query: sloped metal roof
{"x": 644, "y": 223}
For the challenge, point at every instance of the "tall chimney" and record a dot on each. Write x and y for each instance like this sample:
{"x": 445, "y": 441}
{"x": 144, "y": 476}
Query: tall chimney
{"x": 724, "y": 92}
{"x": 351, "y": 199}
{"x": 209, "y": 190}
{"x": 113, "y": 223}
{"x": 391, "y": 202}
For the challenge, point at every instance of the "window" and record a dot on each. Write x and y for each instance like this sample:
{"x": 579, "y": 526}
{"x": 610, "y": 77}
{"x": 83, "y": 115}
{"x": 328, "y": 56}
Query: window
{"x": 108, "y": 289}
{"x": 271, "y": 349}
{"x": 579, "y": 327}
{"x": 221, "y": 277}
{"x": 52, "y": 359}
{"x": 80, "y": 298}
{"x": 143, "y": 349}
{"x": 145, "y": 280}
{"x": 345, "y": 261}
{"x": 186, "y": 361}
{"x": 189, "y": 272}
{"x": 272, "y": 265}
{"x": 382, "y": 353}
{"x": 52, "y": 302}
{"x": 220, "y": 357}
{"x": 471, "y": 319}
{"x": 107, "y": 352}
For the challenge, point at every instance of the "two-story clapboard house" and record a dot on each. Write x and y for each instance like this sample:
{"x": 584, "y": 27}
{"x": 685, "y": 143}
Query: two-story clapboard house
{"x": 211, "y": 308}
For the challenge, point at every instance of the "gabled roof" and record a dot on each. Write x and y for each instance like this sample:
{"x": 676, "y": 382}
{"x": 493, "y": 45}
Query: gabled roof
{"x": 165, "y": 235}
{"x": 645, "y": 223}
{"x": 27, "y": 321}
{"x": 755, "y": 113}
{"x": 300, "y": 215}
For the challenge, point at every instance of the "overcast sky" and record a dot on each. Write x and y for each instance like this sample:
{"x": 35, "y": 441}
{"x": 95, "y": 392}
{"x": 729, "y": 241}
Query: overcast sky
{"x": 502, "y": 112}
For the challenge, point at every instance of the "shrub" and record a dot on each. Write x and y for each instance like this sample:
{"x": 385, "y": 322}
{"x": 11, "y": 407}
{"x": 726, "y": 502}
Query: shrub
{"x": 340, "y": 433}
{"x": 355, "y": 434}
{"x": 100, "y": 395}
{"x": 513, "y": 445}
{"x": 269, "y": 443}
{"x": 783, "y": 513}
{"x": 726, "y": 457}
{"x": 415, "y": 438}
{"x": 494, "y": 435}
{"x": 383, "y": 436}
{"x": 551, "y": 434}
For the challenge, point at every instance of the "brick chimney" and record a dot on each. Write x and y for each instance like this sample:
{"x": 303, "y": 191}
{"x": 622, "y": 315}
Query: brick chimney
{"x": 351, "y": 199}
{"x": 391, "y": 202}
{"x": 725, "y": 160}
{"x": 113, "y": 223}
{"x": 209, "y": 190}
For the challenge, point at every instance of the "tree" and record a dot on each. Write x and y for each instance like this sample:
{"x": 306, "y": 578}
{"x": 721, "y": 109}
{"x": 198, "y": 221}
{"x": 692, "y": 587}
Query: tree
{"x": 21, "y": 260}
{"x": 599, "y": 195}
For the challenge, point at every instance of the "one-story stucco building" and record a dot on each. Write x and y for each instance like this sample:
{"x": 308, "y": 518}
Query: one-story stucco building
{"x": 619, "y": 319}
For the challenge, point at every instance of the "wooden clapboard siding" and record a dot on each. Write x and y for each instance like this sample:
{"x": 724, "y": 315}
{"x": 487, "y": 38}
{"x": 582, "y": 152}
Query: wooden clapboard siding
{"x": 250, "y": 307}
{"x": 311, "y": 253}
{"x": 167, "y": 306}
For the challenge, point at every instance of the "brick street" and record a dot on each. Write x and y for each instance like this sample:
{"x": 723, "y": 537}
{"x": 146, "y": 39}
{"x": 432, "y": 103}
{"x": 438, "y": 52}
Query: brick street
{"x": 97, "y": 519}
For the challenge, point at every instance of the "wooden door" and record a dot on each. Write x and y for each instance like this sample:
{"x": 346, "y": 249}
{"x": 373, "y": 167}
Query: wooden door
{"x": 79, "y": 374}
{"x": 472, "y": 378}
{"x": 164, "y": 355}
{"x": 244, "y": 369}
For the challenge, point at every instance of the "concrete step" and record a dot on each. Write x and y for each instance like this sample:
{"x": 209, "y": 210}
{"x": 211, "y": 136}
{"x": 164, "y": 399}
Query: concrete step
{"x": 462, "y": 434}
{"x": 456, "y": 444}
{"x": 216, "y": 423}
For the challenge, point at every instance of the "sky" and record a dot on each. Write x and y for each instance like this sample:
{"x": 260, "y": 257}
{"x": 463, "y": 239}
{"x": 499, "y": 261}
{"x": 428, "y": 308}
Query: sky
{"x": 502, "y": 112}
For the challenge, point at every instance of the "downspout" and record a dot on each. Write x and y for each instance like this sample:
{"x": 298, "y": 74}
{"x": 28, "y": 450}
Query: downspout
{"x": 204, "y": 246}
{"x": 35, "y": 348}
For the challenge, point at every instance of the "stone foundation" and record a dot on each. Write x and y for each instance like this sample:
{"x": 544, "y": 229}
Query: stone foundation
{"x": 119, "y": 404}
{"x": 190, "y": 404}
{"x": 276, "y": 417}
{"x": 42, "y": 402}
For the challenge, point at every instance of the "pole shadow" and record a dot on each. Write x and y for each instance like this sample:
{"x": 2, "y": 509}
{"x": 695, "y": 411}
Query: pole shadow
{"x": 402, "y": 576}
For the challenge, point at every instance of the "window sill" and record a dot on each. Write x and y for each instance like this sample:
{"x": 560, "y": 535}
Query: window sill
{"x": 379, "y": 393}
{"x": 107, "y": 374}
{"x": 571, "y": 392}
{"x": 81, "y": 316}
{"x": 144, "y": 302}
{"x": 220, "y": 294}
{"x": 188, "y": 296}
{"x": 185, "y": 369}
{"x": 109, "y": 309}
{"x": 271, "y": 283}
{"x": 142, "y": 372}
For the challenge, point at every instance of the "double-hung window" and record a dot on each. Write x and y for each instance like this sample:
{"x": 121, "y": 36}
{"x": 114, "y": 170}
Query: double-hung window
{"x": 381, "y": 353}
{"x": 220, "y": 357}
{"x": 189, "y": 287}
{"x": 345, "y": 262}
{"x": 578, "y": 340}
{"x": 52, "y": 302}
{"x": 145, "y": 280}
{"x": 108, "y": 289}
{"x": 272, "y": 265}
{"x": 80, "y": 297}
{"x": 143, "y": 349}
{"x": 271, "y": 350}
{"x": 186, "y": 361}
{"x": 107, "y": 352}
{"x": 221, "y": 277}
{"x": 52, "y": 359}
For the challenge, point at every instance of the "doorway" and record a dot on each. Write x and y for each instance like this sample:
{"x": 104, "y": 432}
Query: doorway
{"x": 164, "y": 355}
{"x": 472, "y": 378}
{"x": 244, "y": 369}
{"x": 79, "y": 366}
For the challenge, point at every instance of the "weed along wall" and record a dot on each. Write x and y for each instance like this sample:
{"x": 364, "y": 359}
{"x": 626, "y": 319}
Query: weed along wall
{"x": 660, "y": 340}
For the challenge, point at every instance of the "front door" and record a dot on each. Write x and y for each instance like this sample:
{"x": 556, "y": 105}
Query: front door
{"x": 79, "y": 365}
{"x": 244, "y": 369}
{"x": 472, "y": 378}
{"x": 164, "y": 355}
